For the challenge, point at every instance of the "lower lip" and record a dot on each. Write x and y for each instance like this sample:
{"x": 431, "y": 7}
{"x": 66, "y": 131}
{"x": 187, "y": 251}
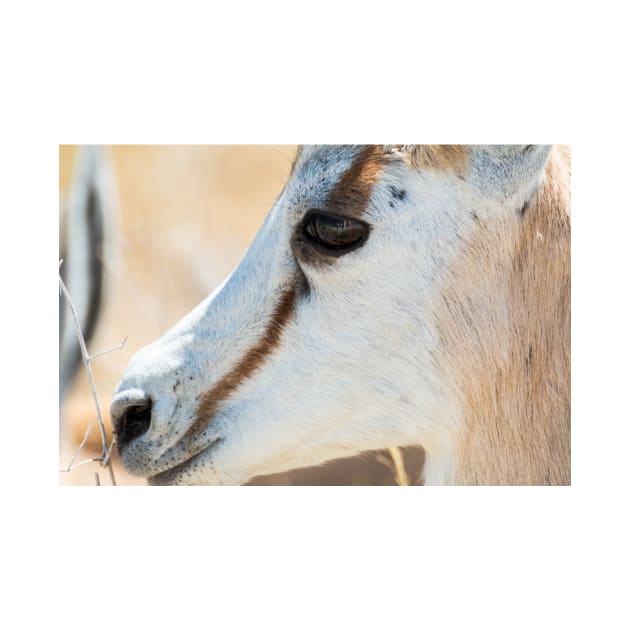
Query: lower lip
{"x": 170, "y": 472}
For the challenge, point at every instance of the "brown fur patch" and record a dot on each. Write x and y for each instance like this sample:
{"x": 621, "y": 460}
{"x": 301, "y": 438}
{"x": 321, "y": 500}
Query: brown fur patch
{"x": 507, "y": 342}
{"x": 250, "y": 362}
{"x": 351, "y": 195}
{"x": 438, "y": 157}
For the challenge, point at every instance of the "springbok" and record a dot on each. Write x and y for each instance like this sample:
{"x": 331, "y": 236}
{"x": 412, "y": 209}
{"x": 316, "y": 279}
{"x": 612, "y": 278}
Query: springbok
{"x": 395, "y": 295}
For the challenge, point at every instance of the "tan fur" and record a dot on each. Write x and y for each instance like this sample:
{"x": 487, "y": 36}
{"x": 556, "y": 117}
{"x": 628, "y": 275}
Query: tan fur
{"x": 440, "y": 157}
{"x": 505, "y": 324}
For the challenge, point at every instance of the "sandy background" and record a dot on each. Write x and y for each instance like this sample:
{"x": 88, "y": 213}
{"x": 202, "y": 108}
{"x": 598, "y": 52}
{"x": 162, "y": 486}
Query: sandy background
{"x": 184, "y": 217}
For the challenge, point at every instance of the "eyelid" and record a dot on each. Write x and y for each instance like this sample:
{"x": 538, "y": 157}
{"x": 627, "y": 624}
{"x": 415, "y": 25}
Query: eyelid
{"x": 307, "y": 234}
{"x": 332, "y": 215}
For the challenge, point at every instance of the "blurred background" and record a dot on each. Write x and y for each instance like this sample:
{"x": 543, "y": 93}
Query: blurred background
{"x": 160, "y": 227}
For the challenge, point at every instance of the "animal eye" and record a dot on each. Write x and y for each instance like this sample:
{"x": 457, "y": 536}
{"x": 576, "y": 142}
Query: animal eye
{"x": 334, "y": 232}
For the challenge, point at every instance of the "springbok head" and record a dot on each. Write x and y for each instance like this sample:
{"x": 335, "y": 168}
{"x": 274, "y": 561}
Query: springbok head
{"x": 395, "y": 295}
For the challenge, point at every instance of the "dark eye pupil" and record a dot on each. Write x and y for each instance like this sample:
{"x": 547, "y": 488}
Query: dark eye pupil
{"x": 334, "y": 232}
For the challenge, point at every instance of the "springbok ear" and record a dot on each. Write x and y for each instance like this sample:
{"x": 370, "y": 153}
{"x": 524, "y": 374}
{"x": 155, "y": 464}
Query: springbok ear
{"x": 509, "y": 170}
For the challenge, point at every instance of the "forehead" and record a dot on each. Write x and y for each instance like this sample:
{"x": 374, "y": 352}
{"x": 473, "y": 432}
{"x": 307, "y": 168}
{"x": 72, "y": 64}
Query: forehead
{"x": 317, "y": 165}
{"x": 338, "y": 178}
{"x": 343, "y": 178}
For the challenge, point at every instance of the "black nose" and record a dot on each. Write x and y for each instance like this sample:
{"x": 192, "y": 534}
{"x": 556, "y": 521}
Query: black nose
{"x": 131, "y": 419}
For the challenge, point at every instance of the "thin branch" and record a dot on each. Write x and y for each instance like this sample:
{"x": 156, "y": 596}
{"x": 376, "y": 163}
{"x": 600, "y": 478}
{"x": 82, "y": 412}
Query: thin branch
{"x": 120, "y": 346}
{"x": 83, "y": 441}
{"x": 399, "y": 465}
{"x": 108, "y": 457}
{"x": 105, "y": 459}
{"x": 396, "y": 465}
{"x": 85, "y": 461}
{"x": 91, "y": 460}
{"x": 381, "y": 459}
{"x": 86, "y": 361}
{"x": 97, "y": 480}
{"x": 110, "y": 468}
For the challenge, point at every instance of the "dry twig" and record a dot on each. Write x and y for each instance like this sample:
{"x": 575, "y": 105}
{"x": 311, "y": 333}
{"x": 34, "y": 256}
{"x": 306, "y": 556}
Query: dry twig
{"x": 399, "y": 466}
{"x": 396, "y": 465}
{"x": 105, "y": 458}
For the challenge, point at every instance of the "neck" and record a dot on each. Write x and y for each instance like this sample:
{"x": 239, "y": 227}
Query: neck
{"x": 513, "y": 330}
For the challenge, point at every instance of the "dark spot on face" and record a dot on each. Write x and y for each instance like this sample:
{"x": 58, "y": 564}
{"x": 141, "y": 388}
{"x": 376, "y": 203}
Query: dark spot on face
{"x": 474, "y": 215}
{"x": 524, "y": 208}
{"x": 303, "y": 287}
{"x": 530, "y": 356}
{"x": 391, "y": 204}
{"x": 397, "y": 193}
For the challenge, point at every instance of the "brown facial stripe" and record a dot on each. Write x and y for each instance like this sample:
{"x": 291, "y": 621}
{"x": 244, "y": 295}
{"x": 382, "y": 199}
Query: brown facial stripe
{"x": 352, "y": 192}
{"x": 251, "y": 361}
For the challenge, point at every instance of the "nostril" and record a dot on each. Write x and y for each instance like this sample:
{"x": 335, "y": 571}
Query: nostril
{"x": 134, "y": 422}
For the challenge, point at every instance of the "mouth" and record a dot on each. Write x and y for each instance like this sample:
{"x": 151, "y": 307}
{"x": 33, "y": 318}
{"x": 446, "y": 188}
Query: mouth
{"x": 179, "y": 472}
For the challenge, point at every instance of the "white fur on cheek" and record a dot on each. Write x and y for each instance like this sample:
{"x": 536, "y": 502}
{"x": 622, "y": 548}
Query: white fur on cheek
{"x": 355, "y": 367}
{"x": 345, "y": 378}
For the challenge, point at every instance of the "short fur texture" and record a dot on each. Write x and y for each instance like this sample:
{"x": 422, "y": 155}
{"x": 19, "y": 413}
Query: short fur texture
{"x": 448, "y": 327}
{"x": 250, "y": 362}
{"x": 504, "y": 320}
{"x": 440, "y": 157}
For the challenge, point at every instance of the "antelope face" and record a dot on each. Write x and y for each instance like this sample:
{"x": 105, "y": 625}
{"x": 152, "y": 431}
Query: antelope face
{"x": 323, "y": 342}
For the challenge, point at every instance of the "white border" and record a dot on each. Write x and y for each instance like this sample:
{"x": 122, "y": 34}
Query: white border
{"x": 295, "y": 557}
